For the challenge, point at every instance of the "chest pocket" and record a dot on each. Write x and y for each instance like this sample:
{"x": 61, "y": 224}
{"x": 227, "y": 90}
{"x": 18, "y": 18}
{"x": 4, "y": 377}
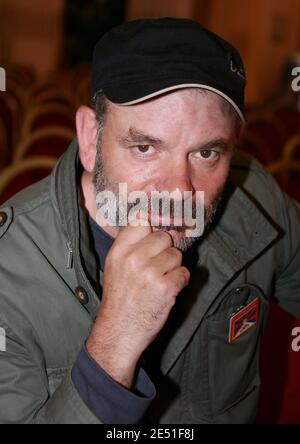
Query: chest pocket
{"x": 233, "y": 363}
{"x": 55, "y": 377}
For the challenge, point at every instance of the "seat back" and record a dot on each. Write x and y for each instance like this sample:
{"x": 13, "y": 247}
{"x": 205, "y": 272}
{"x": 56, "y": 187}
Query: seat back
{"x": 52, "y": 141}
{"x": 18, "y": 176}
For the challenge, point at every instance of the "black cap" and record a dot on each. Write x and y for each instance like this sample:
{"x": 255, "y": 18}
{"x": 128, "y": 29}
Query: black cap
{"x": 144, "y": 58}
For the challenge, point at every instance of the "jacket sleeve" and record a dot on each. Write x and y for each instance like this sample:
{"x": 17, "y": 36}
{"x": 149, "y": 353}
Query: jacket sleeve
{"x": 107, "y": 399}
{"x": 24, "y": 394}
{"x": 287, "y": 282}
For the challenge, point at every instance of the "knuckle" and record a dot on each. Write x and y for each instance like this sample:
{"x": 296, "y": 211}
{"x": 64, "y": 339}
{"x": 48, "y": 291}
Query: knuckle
{"x": 181, "y": 280}
{"x": 172, "y": 255}
{"x": 152, "y": 274}
{"x": 163, "y": 236}
{"x": 161, "y": 286}
{"x": 176, "y": 253}
{"x": 132, "y": 260}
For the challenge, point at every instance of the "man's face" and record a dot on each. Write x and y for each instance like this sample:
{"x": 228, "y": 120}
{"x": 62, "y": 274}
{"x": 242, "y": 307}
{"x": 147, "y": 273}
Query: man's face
{"x": 182, "y": 140}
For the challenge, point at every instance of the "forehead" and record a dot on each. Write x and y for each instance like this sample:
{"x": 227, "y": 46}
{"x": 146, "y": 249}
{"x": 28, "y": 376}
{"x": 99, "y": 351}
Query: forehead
{"x": 185, "y": 109}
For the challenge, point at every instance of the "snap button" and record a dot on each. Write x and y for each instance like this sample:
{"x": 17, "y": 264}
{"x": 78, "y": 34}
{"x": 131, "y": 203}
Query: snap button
{"x": 3, "y": 218}
{"x": 81, "y": 295}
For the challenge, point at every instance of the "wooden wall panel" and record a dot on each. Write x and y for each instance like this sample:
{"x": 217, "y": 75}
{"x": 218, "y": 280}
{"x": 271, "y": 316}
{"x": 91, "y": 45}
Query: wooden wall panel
{"x": 32, "y": 32}
{"x": 159, "y": 8}
{"x": 265, "y": 32}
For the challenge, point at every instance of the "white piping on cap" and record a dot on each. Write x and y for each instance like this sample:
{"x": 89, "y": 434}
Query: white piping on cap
{"x": 187, "y": 85}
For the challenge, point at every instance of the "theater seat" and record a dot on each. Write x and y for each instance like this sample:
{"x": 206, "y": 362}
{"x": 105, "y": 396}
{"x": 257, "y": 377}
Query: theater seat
{"x": 43, "y": 115}
{"x": 291, "y": 149}
{"x": 22, "y": 174}
{"x": 51, "y": 141}
{"x": 287, "y": 174}
{"x": 288, "y": 118}
{"x": 4, "y": 152}
{"x": 270, "y": 134}
{"x": 251, "y": 144}
{"x": 280, "y": 370}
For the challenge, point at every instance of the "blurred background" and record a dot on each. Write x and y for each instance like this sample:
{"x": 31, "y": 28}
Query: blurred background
{"x": 46, "y": 49}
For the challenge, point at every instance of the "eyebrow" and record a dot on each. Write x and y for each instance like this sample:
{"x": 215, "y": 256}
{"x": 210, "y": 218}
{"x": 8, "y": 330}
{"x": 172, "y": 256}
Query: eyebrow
{"x": 136, "y": 136}
{"x": 220, "y": 143}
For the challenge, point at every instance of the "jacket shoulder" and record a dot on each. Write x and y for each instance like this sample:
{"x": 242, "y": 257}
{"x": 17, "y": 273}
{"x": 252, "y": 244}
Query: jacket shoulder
{"x": 248, "y": 173}
{"x": 244, "y": 167}
{"x": 29, "y": 197}
{"x": 23, "y": 202}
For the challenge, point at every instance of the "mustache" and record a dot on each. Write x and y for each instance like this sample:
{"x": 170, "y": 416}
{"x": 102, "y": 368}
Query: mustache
{"x": 172, "y": 208}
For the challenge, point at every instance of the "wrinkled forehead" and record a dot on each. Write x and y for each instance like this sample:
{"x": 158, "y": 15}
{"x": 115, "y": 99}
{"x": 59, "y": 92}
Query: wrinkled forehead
{"x": 192, "y": 108}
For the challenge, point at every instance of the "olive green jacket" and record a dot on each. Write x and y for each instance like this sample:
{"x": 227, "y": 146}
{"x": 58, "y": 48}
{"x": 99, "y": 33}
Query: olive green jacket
{"x": 252, "y": 251}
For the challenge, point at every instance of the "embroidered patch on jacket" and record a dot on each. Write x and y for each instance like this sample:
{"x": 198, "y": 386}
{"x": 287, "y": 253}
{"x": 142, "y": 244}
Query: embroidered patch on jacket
{"x": 243, "y": 320}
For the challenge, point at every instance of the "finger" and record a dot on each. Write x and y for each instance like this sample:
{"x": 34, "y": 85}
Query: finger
{"x": 167, "y": 260}
{"x": 178, "y": 278}
{"x": 154, "y": 243}
{"x": 130, "y": 235}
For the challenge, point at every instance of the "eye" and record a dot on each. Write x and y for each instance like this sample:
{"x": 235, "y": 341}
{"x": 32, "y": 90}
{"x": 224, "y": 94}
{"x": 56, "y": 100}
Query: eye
{"x": 207, "y": 155}
{"x": 143, "y": 149}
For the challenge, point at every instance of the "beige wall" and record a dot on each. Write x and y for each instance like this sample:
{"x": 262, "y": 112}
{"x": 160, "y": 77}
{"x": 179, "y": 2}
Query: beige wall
{"x": 31, "y": 32}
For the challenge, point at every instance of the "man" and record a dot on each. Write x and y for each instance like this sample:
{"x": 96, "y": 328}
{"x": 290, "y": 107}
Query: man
{"x": 142, "y": 323}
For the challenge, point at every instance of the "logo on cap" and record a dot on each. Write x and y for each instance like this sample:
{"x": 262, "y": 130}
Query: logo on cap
{"x": 237, "y": 70}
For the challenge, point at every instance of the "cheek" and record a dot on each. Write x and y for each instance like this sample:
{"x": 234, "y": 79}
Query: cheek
{"x": 211, "y": 183}
{"x": 137, "y": 177}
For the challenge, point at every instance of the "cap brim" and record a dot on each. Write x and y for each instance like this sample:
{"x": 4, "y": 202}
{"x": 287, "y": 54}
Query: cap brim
{"x": 185, "y": 85}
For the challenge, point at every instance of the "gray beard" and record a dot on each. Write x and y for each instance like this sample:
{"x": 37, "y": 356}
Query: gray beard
{"x": 101, "y": 183}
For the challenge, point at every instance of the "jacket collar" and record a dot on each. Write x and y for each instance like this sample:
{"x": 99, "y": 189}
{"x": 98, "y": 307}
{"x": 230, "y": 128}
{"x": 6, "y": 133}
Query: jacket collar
{"x": 242, "y": 233}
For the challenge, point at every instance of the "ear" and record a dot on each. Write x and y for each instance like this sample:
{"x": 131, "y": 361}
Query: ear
{"x": 86, "y": 127}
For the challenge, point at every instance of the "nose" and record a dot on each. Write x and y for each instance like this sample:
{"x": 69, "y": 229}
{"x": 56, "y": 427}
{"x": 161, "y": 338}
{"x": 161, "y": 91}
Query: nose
{"x": 178, "y": 176}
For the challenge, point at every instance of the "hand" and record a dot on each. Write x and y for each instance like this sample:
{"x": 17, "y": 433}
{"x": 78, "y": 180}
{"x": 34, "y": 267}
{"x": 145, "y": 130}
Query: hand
{"x": 142, "y": 277}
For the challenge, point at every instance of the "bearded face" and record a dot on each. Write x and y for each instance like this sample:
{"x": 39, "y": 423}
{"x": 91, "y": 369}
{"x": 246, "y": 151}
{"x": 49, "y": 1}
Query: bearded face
{"x": 187, "y": 152}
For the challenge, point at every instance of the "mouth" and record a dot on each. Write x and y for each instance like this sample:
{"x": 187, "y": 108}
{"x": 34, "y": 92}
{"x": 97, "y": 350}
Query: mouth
{"x": 175, "y": 224}
{"x": 157, "y": 219}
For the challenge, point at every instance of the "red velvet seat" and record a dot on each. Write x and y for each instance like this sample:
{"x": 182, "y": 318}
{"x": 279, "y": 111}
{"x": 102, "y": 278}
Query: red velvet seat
{"x": 8, "y": 119}
{"x": 3, "y": 146}
{"x": 26, "y": 172}
{"x": 289, "y": 117}
{"x": 45, "y": 115}
{"x": 51, "y": 141}
{"x": 269, "y": 133}
{"x": 280, "y": 371}
{"x": 252, "y": 145}
{"x": 287, "y": 174}
{"x": 291, "y": 149}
